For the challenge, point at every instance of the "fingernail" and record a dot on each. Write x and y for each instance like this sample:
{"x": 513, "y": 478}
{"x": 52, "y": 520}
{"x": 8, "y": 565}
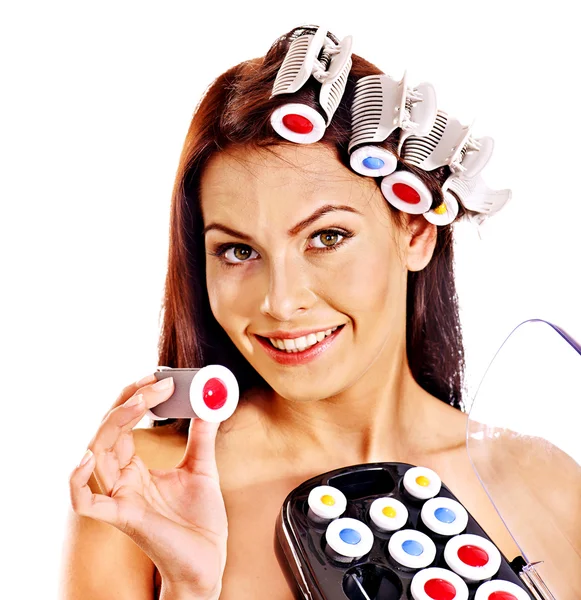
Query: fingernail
{"x": 86, "y": 458}
{"x": 134, "y": 400}
{"x": 145, "y": 380}
{"x": 162, "y": 384}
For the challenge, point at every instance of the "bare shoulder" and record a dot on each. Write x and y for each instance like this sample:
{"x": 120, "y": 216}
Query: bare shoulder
{"x": 544, "y": 469}
{"x": 535, "y": 451}
{"x": 537, "y": 460}
{"x": 536, "y": 487}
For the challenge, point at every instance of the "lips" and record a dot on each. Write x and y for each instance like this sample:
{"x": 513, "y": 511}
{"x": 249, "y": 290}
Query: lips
{"x": 295, "y": 345}
{"x": 300, "y": 357}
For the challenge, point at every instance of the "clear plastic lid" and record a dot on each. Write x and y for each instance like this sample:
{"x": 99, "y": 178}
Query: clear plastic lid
{"x": 524, "y": 441}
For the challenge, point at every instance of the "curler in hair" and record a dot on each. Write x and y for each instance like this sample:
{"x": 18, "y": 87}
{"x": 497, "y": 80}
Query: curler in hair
{"x": 421, "y": 105}
{"x": 373, "y": 161}
{"x": 299, "y": 122}
{"x": 476, "y": 196}
{"x": 407, "y": 192}
{"x": 427, "y": 138}
{"x": 381, "y": 105}
{"x": 378, "y": 109}
{"x": 442, "y": 146}
{"x": 299, "y": 62}
{"x": 334, "y": 80}
{"x": 445, "y": 213}
{"x": 478, "y": 153}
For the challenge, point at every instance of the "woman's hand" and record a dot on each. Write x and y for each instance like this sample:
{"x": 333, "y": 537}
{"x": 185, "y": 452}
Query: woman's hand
{"x": 177, "y": 517}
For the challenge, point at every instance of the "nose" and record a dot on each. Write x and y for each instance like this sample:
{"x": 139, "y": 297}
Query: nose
{"x": 288, "y": 292}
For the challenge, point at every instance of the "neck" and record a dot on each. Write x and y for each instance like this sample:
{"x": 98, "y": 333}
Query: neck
{"x": 379, "y": 418}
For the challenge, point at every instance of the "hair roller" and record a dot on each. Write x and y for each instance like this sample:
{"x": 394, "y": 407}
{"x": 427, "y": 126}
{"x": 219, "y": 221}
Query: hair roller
{"x": 407, "y": 192}
{"x": 329, "y": 63}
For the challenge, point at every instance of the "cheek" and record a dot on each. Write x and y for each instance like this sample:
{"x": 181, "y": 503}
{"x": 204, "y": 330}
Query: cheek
{"x": 368, "y": 280}
{"x": 229, "y": 295}
{"x": 219, "y": 294}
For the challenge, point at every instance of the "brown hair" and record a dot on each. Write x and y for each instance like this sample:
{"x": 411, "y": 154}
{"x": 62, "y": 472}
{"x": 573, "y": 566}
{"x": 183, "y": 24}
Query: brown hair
{"x": 234, "y": 111}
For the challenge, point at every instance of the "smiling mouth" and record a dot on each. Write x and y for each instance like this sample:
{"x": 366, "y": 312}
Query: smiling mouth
{"x": 301, "y": 344}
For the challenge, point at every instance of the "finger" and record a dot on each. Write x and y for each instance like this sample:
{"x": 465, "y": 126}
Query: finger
{"x": 83, "y": 501}
{"x": 117, "y": 420}
{"x": 200, "y": 453}
{"x": 118, "y": 424}
{"x": 124, "y": 447}
{"x": 132, "y": 388}
{"x": 113, "y": 444}
{"x": 128, "y": 391}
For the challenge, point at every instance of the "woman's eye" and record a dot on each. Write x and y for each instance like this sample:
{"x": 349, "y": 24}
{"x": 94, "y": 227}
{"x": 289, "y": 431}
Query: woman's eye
{"x": 327, "y": 239}
{"x": 238, "y": 254}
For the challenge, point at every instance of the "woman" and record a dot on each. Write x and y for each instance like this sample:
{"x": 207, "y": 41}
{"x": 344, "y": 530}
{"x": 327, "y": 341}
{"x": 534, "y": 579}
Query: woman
{"x": 273, "y": 241}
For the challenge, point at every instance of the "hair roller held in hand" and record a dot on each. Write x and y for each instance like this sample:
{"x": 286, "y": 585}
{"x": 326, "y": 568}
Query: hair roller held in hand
{"x": 209, "y": 393}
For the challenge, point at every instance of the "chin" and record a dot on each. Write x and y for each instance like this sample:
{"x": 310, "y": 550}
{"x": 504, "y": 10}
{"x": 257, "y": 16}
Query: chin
{"x": 305, "y": 396}
{"x": 306, "y": 389}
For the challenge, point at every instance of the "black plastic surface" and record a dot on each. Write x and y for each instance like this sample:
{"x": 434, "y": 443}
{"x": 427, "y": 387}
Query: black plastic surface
{"x": 321, "y": 578}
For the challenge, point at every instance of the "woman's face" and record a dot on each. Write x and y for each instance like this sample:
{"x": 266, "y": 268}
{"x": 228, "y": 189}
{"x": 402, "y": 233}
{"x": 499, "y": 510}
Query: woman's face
{"x": 297, "y": 245}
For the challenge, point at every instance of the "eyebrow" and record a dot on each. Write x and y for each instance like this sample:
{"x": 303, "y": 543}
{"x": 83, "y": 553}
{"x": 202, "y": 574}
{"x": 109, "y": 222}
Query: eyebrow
{"x": 320, "y": 212}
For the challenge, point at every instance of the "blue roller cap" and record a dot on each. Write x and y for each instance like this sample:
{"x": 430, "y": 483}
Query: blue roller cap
{"x": 350, "y": 536}
{"x": 445, "y": 515}
{"x": 412, "y": 547}
{"x": 372, "y": 162}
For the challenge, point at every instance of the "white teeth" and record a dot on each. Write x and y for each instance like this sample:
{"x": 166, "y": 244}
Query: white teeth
{"x": 301, "y": 343}
{"x": 312, "y": 339}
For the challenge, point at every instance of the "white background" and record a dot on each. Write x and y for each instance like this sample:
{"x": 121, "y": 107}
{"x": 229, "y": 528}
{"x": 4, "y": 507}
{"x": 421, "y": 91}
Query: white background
{"x": 96, "y": 101}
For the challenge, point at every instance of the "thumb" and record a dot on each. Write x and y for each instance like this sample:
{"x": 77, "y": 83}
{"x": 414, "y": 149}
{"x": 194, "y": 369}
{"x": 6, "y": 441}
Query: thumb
{"x": 200, "y": 453}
